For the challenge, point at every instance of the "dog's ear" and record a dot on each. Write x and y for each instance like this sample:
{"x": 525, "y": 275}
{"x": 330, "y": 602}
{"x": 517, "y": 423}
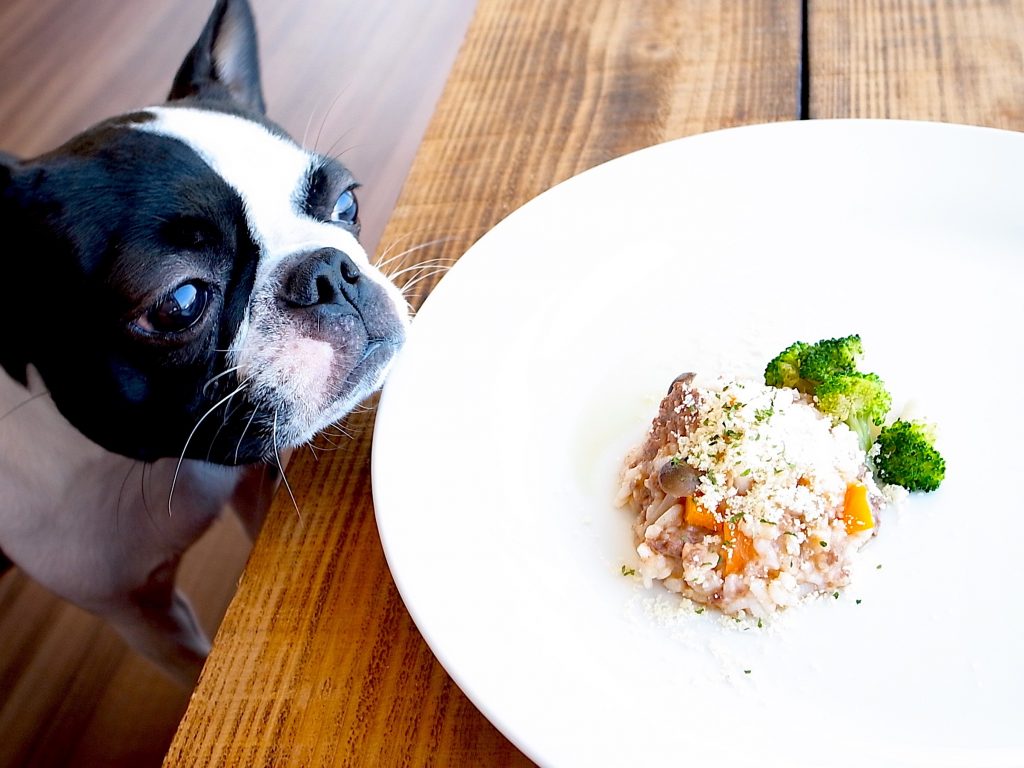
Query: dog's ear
{"x": 224, "y": 62}
{"x": 12, "y": 357}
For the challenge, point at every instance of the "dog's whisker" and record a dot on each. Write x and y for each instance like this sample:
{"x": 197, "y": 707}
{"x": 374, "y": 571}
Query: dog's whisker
{"x": 456, "y": 236}
{"x": 407, "y": 290}
{"x": 440, "y": 259}
{"x": 245, "y": 429}
{"x": 309, "y": 122}
{"x": 227, "y": 415}
{"x": 430, "y": 271}
{"x": 324, "y": 434}
{"x": 340, "y": 430}
{"x": 419, "y": 279}
{"x": 181, "y": 459}
{"x": 441, "y": 264}
{"x": 232, "y": 350}
{"x": 312, "y": 114}
{"x": 446, "y": 264}
{"x": 332, "y": 449}
{"x": 25, "y": 402}
{"x": 383, "y": 259}
{"x": 280, "y": 467}
{"x": 425, "y": 262}
{"x": 337, "y": 155}
{"x": 327, "y": 114}
{"x": 219, "y": 375}
{"x": 142, "y": 489}
{"x": 233, "y": 409}
{"x": 117, "y": 505}
{"x": 326, "y": 439}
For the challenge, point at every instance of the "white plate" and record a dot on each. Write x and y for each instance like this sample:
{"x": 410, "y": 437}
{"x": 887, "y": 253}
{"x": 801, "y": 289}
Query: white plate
{"x": 541, "y": 357}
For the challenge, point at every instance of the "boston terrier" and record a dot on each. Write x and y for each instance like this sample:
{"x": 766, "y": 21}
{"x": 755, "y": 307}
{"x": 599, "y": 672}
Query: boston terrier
{"x": 186, "y": 297}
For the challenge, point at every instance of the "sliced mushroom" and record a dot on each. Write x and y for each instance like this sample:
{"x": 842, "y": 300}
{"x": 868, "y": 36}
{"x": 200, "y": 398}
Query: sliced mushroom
{"x": 682, "y": 378}
{"x": 677, "y": 478}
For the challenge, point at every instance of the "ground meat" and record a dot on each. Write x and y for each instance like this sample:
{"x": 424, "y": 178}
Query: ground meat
{"x": 672, "y": 544}
{"x": 677, "y": 414}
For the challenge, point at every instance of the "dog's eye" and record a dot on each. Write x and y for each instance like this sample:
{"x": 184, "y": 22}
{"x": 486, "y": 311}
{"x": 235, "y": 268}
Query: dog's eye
{"x": 179, "y": 310}
{"x": 346, "y": 210}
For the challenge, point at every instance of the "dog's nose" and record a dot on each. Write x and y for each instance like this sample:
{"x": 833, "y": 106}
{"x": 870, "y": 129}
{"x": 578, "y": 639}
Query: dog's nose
{"x": 327, "y": 276}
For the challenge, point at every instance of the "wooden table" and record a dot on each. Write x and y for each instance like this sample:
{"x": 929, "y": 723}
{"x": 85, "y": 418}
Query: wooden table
{"x": 317, "y": 661}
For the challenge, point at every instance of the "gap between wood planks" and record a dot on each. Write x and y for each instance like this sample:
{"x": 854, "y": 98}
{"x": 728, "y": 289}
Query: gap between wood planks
{"x": 803, "y": 87}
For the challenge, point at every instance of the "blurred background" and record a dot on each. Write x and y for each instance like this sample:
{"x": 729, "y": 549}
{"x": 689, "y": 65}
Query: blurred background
{"x": 358, "y": 80}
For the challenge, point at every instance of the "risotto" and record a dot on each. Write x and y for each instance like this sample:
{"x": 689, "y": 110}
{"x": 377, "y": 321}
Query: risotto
{"x": 746, "y": 498}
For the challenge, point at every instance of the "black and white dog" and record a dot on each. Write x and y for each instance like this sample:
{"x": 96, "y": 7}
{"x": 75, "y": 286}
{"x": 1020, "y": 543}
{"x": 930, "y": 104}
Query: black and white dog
{"x": 185, "y": 296}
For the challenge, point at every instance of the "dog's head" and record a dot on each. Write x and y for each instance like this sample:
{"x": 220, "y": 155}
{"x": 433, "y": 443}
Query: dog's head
{"x": 189, "y": 274}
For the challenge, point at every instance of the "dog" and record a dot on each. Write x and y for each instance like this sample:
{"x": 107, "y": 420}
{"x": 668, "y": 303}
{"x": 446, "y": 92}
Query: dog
{"x": 186, "y": 297}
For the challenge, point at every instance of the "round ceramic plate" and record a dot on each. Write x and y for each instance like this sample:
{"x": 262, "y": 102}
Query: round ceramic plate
{"x": 540, "y": 359}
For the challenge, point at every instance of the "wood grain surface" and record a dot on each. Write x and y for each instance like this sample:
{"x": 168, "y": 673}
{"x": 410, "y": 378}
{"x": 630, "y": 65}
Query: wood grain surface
{"x": 356, "y": 79}
{"x": 317, "y": 661}
{"x": 959, "y": 61}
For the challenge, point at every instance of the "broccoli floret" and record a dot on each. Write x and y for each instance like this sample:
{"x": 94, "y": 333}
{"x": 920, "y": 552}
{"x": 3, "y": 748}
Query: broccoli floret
{"x": 906, "y": 456}
{"x": 828, "y": 370}
{"x": 830, "y": 357}
{"x": 858, "y": 400}
{"x": 804, "y": 366}
{"x": 784, "y": 370}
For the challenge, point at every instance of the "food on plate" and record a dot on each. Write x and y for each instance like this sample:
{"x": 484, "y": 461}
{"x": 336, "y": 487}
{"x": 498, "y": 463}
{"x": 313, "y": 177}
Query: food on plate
{"x": 905, "y": 455}
{"x": 749, "y": 497}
